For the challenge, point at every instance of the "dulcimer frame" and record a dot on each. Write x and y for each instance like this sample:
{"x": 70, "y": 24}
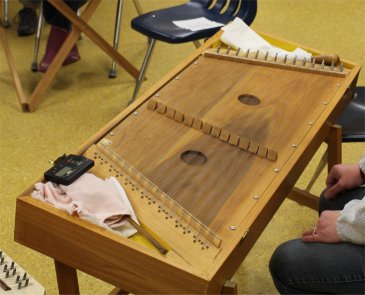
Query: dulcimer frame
{"x": 203, "y": 250}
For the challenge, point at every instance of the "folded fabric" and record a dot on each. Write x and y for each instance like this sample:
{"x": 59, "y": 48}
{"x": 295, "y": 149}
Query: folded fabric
{"x": 101, "y": 201}
{"x": 239, "y": 35}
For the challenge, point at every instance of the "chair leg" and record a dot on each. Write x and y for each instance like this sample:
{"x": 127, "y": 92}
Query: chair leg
{"x": 6, "y": 23}
{"x": 143, "y": 70}
{"x": 118, "y": 21}
{"x": 34, "y": 65}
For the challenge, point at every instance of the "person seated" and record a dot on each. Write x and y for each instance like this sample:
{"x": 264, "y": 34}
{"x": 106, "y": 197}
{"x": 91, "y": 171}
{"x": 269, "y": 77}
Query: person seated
{"x": 27, "y": 24}
{"x": 331, "y": 257}
{"x": 60, "y": 29}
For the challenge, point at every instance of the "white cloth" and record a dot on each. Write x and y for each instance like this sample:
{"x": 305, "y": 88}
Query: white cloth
{"x": 239, "y": 35}
{"x": 197, "y": 24}
{"x": 350, "y": 225}
{"x": 103, "y": 202}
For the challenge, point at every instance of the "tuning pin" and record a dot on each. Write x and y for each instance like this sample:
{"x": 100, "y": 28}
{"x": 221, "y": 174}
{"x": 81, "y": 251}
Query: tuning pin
{"x": 332, "y": 65}
{"x": 14, "y": 271}
{"x": 295, "y": 60}
{"x": 20, "y": 285}
{"x": 238, "y": 51}
{"x": 341, "y": 67}
{"x": 12, "y": 265}
{"x": 285, "y": 58}
{"x": 24, "y": 276}
{"x": 247, "y": 52}
{"x": 266, "y": 55}
{"x": 228, "y": 49}
{"x": 304, "y": 61}
{"x": 276, "y": 57}
{"x": 26, "y": 282}
{"x": 17, "y": 279}
{"x": 7, "y": 274}
{"x": 219, "y": 47}
{"x": 322, "y": 64}
{"x": 2, "y": 260}
{"x": 313, "y": 62}
{"x": 257, "y": 54}
{"x": 5, "y": 268}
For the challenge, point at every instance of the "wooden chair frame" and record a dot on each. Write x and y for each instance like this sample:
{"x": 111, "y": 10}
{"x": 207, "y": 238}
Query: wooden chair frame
{"x": 79, "y": 25}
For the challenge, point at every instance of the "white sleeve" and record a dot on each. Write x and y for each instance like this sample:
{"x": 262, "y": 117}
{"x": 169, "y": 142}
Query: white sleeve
{"x": 351, "y": 223}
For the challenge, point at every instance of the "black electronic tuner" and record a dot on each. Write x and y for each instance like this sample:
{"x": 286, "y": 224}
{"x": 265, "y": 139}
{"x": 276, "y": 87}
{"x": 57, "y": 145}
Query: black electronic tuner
{"x": 67, "y": 169}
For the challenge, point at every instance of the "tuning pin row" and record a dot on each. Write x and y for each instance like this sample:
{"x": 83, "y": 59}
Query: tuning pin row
{"x": 285, "y": 60}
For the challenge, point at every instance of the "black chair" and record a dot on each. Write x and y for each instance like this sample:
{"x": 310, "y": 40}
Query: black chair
{"x": 352, "y": 121}
{"x": 157, "y": 25}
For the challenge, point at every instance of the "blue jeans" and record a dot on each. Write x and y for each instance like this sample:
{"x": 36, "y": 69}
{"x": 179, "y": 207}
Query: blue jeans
{"x": 312, "y": 268}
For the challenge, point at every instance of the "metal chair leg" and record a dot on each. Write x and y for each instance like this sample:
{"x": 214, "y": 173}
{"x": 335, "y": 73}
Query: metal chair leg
{"x": 34, "y": 65}
{"x": 118, "y": 21}
{"x": 6, "y": 23}
{"x": 143, "y": 70}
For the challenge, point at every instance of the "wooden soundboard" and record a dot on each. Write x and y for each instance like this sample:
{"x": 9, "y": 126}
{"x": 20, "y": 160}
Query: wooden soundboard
{"x": 206, "y": 157}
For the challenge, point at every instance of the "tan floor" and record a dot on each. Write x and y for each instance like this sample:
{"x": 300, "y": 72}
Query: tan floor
{"x": 82, "y": 99}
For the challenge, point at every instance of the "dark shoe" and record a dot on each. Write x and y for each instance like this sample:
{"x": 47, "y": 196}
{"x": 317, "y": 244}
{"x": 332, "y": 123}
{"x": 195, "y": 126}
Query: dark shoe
{"x": 27, "y": 22}
{"x": 56, "y": 38}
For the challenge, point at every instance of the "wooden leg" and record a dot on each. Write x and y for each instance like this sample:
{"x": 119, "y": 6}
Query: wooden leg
{"x": 66, "y": 279}
{"x": 230, "y": 288}
{"x": 117, "y": 291}
{"x": 334, "y": 141}
{"x": 94, "y": 36}
{"x": 13, "y": 71}
{"x": 59, "y": 58}
{"x": 80, "y": 25}
{"x": 304, "y": 198}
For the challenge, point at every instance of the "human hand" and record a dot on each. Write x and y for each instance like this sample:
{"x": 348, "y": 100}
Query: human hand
{"x": 342, "y": 177}
{"x": 325, "y": 231}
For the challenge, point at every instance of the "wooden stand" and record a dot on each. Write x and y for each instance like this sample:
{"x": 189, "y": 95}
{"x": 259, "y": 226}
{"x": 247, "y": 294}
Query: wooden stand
{"x": 145, "y": 147}
{"x": 79, "y": 25}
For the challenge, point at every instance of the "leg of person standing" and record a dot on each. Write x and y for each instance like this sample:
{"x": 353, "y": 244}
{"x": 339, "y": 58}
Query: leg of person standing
{"x": 60, "y": 29}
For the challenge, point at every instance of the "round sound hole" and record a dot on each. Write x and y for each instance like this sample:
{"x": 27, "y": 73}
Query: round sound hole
{"x": 192, "y": 157}
{"x": 249, "y": 99}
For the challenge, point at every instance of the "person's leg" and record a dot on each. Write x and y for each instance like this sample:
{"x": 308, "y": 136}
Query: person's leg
{"x": 28, "y": 17}
{"x": 341, "y": 200}
{"x": 303, "y": 268}
{"x": 60, "y": 27}
{"x": 55, "y": 18}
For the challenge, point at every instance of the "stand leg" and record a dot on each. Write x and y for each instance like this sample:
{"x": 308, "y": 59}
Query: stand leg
{"x": 13, "y": 71}
{"x": 334, "y": 141}
{"x": 66, "y": 279}
{"x": 230, "y": 288}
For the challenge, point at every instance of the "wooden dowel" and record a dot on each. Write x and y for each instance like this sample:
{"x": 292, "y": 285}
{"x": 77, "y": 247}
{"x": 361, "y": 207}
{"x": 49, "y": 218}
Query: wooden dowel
{"x": 144, "y": 233}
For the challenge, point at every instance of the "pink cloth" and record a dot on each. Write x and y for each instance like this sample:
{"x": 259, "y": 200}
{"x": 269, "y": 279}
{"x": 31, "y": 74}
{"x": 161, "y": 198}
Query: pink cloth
{"x": 88, "y": 195}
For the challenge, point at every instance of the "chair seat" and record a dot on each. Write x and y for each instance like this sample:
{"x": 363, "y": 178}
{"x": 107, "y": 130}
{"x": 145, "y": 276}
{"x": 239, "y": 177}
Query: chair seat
{"x": 158, "y": 24}
{"x": 352, "y": 119}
